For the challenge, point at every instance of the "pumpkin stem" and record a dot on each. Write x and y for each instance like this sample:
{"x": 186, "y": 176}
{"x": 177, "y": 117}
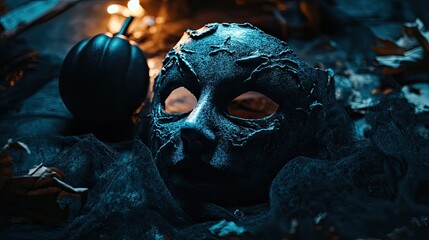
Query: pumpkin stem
{"x": 126, "y": 25}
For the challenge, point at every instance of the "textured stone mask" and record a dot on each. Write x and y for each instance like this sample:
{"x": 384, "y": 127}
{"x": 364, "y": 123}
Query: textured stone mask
{"x": 217, "y": 143}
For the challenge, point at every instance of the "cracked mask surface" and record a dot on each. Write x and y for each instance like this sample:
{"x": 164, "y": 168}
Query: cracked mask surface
{"x": 209, "y": 155}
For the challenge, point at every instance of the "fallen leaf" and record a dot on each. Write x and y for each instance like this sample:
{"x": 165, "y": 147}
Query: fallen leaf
{"x": 33, "y": 197}
{"x": 408, "y": 53}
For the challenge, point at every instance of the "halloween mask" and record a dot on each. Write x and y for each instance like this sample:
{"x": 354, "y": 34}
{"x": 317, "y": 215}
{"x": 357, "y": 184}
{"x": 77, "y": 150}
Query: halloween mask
{"x": 232, "y": 105}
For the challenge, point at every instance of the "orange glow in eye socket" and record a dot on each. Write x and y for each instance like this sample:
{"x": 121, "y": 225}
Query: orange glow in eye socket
{"x": 252, "y": 105}
{"x": 180, "y": 100}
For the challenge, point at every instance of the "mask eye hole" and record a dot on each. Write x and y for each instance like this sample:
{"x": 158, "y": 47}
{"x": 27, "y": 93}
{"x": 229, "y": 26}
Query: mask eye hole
{"x": 180, "y": 100}
{"x": 252, "y": 105}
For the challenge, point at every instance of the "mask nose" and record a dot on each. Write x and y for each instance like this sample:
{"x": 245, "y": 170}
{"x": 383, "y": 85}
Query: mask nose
{"x": 197, "y": 139}
{"x": 196, "y": 134}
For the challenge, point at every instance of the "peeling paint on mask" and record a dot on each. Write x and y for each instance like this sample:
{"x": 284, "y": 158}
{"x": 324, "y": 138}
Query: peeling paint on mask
{"x": 176, "y": 57}
{"x": 242, "y": 139}
{"x": 202, "y": 32}
{"x": 224, "y": 47}
{"x": 270, "y": 61}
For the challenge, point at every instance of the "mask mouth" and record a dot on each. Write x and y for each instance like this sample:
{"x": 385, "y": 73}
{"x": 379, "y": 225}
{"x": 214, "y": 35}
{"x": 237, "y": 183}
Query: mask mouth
{"x": 196, "y": 170}
{"x": 196, "y": 180}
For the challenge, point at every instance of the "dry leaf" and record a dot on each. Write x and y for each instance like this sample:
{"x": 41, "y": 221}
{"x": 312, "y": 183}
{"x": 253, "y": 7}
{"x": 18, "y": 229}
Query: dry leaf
{"x": 407, "y": 53}
{"x": 6, "y": 161}
{"x": 34, "y": 196}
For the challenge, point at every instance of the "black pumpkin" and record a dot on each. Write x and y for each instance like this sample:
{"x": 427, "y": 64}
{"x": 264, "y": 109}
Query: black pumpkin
{"x": 104, "y": 78}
